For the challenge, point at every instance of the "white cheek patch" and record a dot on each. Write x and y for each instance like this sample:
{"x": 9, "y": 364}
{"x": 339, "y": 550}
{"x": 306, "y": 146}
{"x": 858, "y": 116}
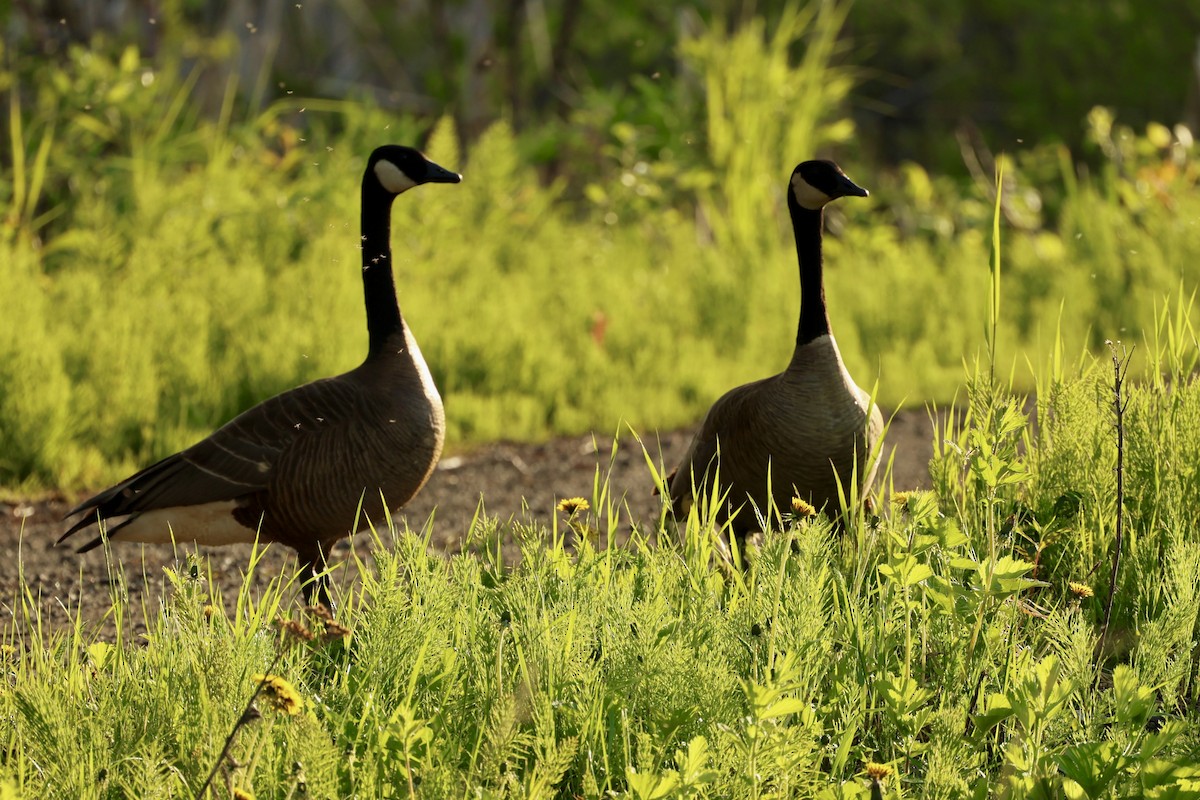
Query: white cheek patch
{"x": 807, "y": 195}
{"x": 392, "y": 177}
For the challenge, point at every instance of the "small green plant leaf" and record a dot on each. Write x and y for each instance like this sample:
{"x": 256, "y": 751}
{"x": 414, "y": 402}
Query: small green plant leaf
{"x": 1095, "y": 766}
{"x": 1134, "y": 702}
{"x": 1163, "y": 779}
{"x": 693, "y": 765}
{"x": 783, "y": 707}
{"x": 997, "y": 709}
{"x": 650, "y": 785}
{"x": 907, "y": 571}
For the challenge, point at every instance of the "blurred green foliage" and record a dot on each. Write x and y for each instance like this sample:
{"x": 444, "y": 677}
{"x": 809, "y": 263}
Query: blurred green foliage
{"x": 1020, "y": 71}
{"x": 170, "y": 266}
{"x": 1015, "y": 70}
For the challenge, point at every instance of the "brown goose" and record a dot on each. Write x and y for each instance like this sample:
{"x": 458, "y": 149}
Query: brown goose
{"x": 810, "y": 425}
{"x": 295, "y": 468}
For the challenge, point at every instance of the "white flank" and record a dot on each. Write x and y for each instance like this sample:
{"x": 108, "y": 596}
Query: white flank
{"x": 428, "y": 387}
{"x": 807, "y": 195}
{"x": 210, "y": 523}
{"x": 392, "y": 177}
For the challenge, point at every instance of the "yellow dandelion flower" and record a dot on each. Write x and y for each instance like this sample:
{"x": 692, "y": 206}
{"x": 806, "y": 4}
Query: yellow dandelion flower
{"x": 573, "y": 505}
{"x": 803, "y": 508}
{"x": 280, "y": 694}
{"x": 242, "y": 794}
{"x": 877, "y": 771}
{"x": 1080, "y": 590}
{"x": 209, "y": 611}
{"x": 904, "y": 499}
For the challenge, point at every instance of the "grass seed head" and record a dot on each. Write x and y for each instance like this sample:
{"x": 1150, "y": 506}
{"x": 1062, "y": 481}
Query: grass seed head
{"x": 293, "y": 631}
{"x": 319, "y": 611}
{"x": 334, "y": 630}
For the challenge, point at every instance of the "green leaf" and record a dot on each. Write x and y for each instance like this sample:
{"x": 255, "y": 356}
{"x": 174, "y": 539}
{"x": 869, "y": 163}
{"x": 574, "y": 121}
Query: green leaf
{"x": 1155, "y": 743}
{"x": 693, "y": 764}
{"x": 1133, "y": 701}
{"x": 100, "y": 654}
{"x": 1009, "y": 568}
{"x": 783, "y": 707}
{"x": 903, "y": 696}
{"x": 997, "y": 709}
{"x": 650, "y": 786}
{"x": 950, "y": 535}
{"x": 845, "y": 747}
{"x": 1095, "y": 766}
{"x": 907, "y": 571}
{"x": 964, "y": 563}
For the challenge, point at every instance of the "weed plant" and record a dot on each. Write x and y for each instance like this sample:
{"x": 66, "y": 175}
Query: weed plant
{"x": 948, "y": 646}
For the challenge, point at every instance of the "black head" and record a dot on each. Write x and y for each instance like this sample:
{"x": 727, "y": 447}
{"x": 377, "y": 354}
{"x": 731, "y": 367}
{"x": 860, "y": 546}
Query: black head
{"x": 397, "y": 169}
{"x": 815, "y": 183}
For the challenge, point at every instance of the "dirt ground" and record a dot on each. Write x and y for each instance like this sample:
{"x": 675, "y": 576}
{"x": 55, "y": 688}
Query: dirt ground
{"x": 515, "y": 482}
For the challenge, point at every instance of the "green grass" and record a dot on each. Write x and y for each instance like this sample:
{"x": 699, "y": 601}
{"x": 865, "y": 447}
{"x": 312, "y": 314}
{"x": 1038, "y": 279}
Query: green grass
{"x": 943, "y": 638}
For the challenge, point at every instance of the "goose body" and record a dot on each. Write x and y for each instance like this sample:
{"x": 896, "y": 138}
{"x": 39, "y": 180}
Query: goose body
{"x": 295, "y": 468}
{"x": 807, "y": 428}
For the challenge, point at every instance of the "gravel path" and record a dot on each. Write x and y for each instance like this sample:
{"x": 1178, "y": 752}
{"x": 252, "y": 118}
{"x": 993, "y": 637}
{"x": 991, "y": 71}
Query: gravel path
{"x": 515, "y": 481}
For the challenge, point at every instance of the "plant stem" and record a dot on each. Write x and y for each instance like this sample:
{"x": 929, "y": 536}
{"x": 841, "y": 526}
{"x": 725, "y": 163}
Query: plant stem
{"x": 1120, "y": 367}
{"x": 994, "y": 268}
{"x": 237, "y": 726}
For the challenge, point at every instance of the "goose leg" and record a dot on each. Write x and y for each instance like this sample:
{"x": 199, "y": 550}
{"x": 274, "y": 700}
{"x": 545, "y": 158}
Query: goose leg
{"x": 316, "y": 591}
{"x": 316, "y": 586}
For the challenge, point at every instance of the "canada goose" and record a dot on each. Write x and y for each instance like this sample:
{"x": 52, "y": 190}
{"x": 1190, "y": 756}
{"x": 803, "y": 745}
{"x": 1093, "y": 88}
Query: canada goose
{"x": 807, "y": 427}
{"x": 294, "y": 468}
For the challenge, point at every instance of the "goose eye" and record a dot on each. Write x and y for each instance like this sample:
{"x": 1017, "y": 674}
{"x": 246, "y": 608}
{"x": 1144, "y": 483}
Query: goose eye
{"x": 392, "y": 177}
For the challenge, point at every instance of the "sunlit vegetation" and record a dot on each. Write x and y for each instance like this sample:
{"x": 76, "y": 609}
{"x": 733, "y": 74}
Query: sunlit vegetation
{"x": 165, "y": 269}
{"x": 951, "y": 645}
{"x": 165, "y": 265}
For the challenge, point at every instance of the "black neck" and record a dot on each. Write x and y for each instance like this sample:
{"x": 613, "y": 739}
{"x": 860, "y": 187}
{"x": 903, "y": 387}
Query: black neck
{"x": 379, "y": 289}
{"x": 807, "y": 225}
